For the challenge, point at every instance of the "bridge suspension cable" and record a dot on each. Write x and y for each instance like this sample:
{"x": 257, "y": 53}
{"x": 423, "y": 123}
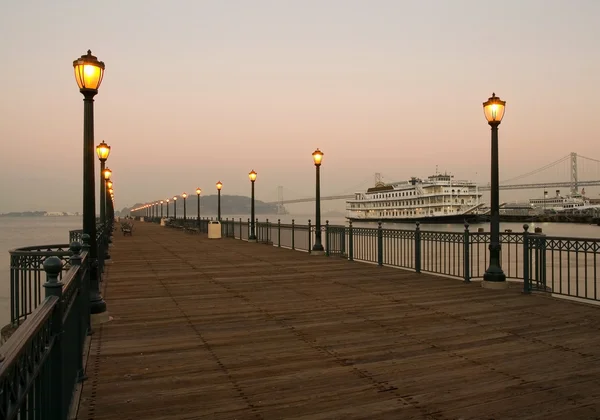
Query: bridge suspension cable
{"x": 535, "y": 171}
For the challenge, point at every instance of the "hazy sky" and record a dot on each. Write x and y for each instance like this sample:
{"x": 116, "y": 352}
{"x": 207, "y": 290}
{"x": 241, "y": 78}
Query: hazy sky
{"x": 200, "y": 91}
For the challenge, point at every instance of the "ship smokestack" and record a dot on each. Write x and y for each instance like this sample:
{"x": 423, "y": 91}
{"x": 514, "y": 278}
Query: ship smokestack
{"x": 558, "y": 193}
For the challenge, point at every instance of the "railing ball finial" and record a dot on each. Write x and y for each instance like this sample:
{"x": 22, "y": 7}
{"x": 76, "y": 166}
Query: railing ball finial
{"x": 86, "y": 241}
{"x": 466, "y": 226}
{"x": 75, "y": 247}
{"x": 525, "y": 227}
{"x": 53, "y": 266}
{"x": 418, "y": 225}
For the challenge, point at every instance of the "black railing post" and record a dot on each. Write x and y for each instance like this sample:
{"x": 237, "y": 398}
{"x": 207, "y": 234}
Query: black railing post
{"x": 85, "y": 241}
{"x": 309, "y": 237}
{"x": 327, "y": 238}
{"x": 57, "y": 410}
{"x": 418, "y": 248}
{"x": 248, "y": 228}
{"x": 268, "y": 232}
{"x": 278, "y": 233}
{"x": 379, "y": 244}
{"x": 241, "y": 237}
{"x": 293, "y": 244}
{"x": 466, "y": 254}
{"x": 350, "y": 242}
{"x": 526, "y": 262}
{"x": 75, "y": 261}
{"x": 343, "y": 240}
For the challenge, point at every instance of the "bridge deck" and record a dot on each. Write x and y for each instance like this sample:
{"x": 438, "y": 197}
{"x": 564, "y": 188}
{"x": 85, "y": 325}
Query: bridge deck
{"x": 230, "y": 330}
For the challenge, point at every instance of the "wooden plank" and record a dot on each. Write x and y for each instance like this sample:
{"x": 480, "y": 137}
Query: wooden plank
{"x": 225, "y": 329}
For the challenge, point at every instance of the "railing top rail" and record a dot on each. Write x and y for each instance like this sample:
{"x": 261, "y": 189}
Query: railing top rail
{"x": 28, "y": 330}
{"x": 42, "y": 250}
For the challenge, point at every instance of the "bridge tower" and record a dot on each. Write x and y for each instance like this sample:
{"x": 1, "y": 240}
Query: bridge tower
{"x": 574, "y": 186}
{"x": 280, "y": 207}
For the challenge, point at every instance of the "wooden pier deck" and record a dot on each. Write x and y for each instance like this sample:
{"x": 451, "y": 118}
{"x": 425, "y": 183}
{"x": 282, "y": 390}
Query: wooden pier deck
{"x": 225, "y": 329}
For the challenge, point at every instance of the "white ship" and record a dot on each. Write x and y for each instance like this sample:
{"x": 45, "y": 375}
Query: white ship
{"x": 572, "y": 202}
{"x": 438, "y": 198}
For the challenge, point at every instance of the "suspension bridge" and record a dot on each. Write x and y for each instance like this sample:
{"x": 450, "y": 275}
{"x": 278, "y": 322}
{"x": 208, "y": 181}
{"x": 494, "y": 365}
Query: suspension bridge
{"x": 572, "y": 161}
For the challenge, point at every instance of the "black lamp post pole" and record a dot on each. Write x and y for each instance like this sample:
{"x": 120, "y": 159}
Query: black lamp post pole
{"x": 494, "y": 271}
{"x": 219, "y": 205}
{"x": 161, "y": 209}
{"x": 184, "y": 209}
{"x": 175, "y": 209}
{"x": 318, "y": 246}
{"x": 167, "y": 209}
{"x": 252, "y": 234}
{"x": 97, "y": 304}
{"x": 102, "y": 193}
{"x": 198, "y": 213}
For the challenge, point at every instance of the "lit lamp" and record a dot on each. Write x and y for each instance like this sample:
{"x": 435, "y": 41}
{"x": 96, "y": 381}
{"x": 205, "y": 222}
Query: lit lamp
{"x": 107, "y": 173}
{"x": 198, "y": 192}
{"x": 252, "y": 236}
{"x": 317, "y": 248}
{"x": 175, "y": 207}
{"x": 184, "y": 195}
{"x": 219, "y": 186}
{"x": 88, "y": 75}
{"x": 494, "y": 277}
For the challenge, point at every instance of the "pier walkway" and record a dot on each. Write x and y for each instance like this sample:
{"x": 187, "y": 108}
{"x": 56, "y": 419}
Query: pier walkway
{"x": 225, "y": 329}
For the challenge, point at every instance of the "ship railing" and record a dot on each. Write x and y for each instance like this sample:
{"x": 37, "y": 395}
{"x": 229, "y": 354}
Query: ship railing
{"x": 561, "y": 266}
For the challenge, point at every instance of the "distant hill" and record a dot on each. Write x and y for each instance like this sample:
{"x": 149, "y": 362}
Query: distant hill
{"x": 230, "y": 204}
{"x": 24, "y": 214}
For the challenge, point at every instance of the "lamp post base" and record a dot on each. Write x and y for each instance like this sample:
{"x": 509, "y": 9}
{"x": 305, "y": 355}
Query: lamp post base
{"x": 496, "y": 285}
{"x": 251, "y": 239}
{"x": 319, "y": 253}
{"x": 97, "y": 305}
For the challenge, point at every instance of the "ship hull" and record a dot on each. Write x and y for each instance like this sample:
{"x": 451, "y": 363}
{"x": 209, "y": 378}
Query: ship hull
{"x": 452, "y": 218}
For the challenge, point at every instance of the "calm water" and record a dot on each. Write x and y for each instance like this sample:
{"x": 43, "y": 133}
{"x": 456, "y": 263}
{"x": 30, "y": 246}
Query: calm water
{"x": 25, "y": 231}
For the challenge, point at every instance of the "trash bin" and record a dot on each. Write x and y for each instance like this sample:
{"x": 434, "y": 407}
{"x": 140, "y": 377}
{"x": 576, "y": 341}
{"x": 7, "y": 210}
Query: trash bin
{"x": 214, "y": 230}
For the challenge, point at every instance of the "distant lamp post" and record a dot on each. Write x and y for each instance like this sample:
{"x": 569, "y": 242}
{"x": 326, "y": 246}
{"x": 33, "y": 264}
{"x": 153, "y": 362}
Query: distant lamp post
{"x": 198, "y": 192}
{"x": 175, "y": 207}
{"x": 161, "y": 209}
{"x": 107, "y": 173}
{"x": 317, "y": 248}
{"x": 252, "y": 176}
{"x": 88, "y": 74}
{"x": 494, "y": 277}
{"x": 184, "y": 195}
{"x": 219, "y": 186}
{"x": 167, "y": 200}
{"x": 103, "y": 151}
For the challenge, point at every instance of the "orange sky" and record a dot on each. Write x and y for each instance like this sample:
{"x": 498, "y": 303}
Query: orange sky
{"x": 197, "y": 91}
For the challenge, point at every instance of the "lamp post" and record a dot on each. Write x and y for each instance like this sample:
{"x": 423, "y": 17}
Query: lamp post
{"x": 198, "y": 192}
{"x": 184, "y": 195}
{"x": 494, "y": 277}
{"x": 252, "y": 236}
{"x": 88, "y": 74}
{"x": 167, "y": 208}
{"x": 161, "y": 209}
{"x": 219, "y": 186}
{"x": 175, "y": 207}
{"x": 103, "y": 151}
{"x": 317, "y": 248}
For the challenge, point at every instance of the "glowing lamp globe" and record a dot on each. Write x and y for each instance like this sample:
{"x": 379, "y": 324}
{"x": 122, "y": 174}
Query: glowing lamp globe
{"x": 103, "y": 150}
{"x": 88, "y": 72}
{"x": 252, "y": 175}
{"x": 493, "y": 109}
{"x": 317, "y": 157}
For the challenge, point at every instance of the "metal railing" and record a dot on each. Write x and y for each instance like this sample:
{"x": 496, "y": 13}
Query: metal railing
{"x": 42, "y": 362}
{"x": 558, "y": 265}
